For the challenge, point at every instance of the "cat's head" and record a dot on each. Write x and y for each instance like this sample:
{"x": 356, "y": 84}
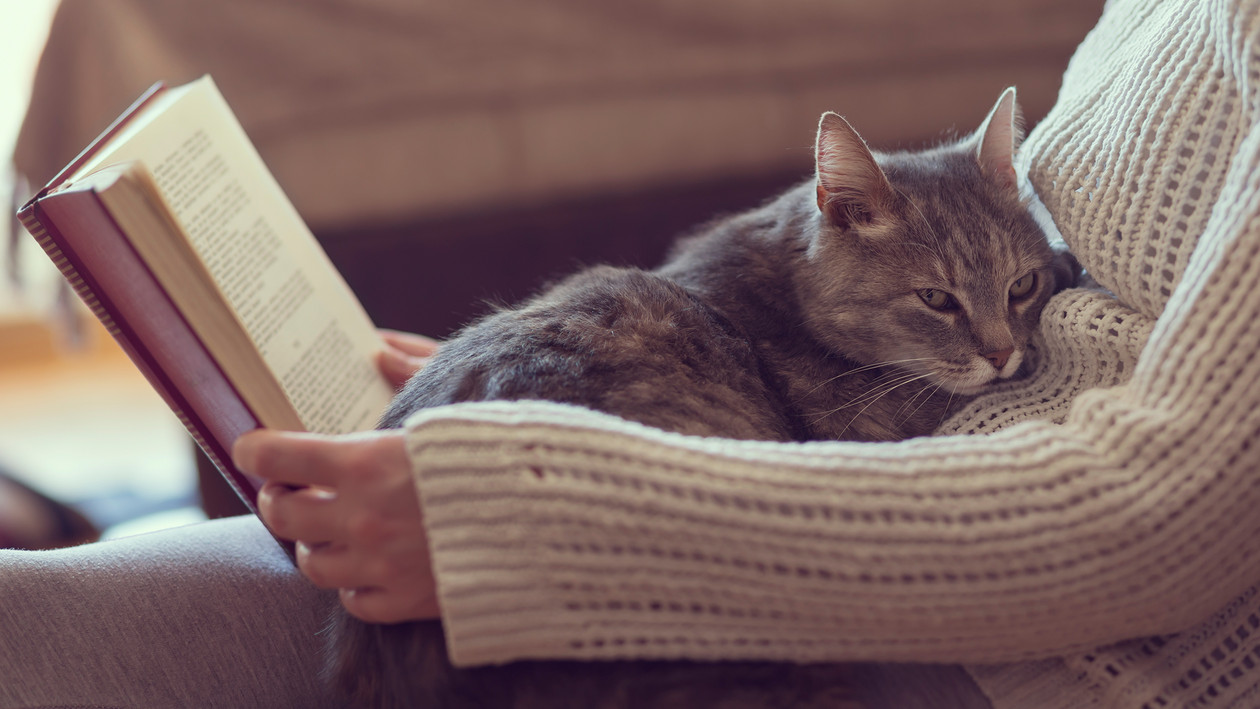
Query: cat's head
{"x": 929, "y": 260}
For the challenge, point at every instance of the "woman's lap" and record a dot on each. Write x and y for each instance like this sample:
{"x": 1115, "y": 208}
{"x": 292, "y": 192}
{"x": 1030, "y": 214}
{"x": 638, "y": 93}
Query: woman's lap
{"x": 209, "y": 615}
{"x": 215, "y": 614}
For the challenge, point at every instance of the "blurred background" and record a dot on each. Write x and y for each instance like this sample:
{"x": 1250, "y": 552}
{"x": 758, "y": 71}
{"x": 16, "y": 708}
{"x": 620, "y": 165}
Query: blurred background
{"x": 77, "y": 421}
{"x": 450, "y": 154}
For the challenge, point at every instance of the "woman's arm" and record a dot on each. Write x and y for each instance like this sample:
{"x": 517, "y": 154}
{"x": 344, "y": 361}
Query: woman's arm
{"x": 558, "y": 532}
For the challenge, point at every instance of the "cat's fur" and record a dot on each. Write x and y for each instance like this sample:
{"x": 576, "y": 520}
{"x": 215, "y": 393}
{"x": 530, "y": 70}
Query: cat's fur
{"x": 860, "y": 305}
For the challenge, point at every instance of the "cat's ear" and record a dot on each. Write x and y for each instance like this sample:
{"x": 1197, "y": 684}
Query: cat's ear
{"x": 852, "y": 189}
{"x": 1000, "y": 136}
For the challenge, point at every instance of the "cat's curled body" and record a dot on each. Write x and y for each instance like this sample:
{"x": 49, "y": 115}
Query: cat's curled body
{"x": 859, "y": 305}
{"x": 624, "y": 341}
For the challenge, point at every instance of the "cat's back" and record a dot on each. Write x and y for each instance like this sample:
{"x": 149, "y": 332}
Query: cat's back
{"x": 620, "y": 340}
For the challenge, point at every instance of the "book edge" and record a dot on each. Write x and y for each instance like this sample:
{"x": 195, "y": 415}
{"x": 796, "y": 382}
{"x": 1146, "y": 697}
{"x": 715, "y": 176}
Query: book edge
{"x": 126, "y": 117}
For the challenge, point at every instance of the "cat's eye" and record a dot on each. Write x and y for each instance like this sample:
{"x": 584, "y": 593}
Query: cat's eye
{"x": 1023, "y": 286}
{"x": 937, "y": 299}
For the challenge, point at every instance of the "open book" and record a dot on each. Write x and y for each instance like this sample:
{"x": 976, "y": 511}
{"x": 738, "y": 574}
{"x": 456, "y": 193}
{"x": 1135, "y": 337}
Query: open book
{"x": 175, "y": 234}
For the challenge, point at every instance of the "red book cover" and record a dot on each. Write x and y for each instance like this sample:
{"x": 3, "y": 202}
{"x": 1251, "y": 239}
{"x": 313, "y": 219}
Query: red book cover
{"x": 78, "y": 233}
{"x": 80, "y": 236}
{"x": 122, "y": 246}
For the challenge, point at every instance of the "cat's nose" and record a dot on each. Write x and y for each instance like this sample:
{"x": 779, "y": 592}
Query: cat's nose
{"x": 999, "y": 358}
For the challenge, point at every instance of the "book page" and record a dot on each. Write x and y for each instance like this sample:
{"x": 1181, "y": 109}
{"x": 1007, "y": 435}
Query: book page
{"x": 308, "y": 326}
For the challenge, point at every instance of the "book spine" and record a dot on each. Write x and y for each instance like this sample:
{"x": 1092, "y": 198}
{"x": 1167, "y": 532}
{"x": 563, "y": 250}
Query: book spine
{"x": 68, "y": 271}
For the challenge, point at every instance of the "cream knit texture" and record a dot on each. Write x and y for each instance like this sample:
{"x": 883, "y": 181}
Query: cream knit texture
{"x": 1113, "y": 495}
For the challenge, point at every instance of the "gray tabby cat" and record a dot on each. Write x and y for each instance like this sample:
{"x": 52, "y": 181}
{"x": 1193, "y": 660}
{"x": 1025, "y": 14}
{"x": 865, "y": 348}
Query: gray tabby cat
{"x": 863, "y": 304}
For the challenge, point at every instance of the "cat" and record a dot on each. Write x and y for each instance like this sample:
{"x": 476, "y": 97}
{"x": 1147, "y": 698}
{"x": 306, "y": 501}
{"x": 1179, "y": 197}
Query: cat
{"x": 864, "y": 304}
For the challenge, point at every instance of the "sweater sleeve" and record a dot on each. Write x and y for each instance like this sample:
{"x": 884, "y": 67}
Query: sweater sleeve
{"x": 561, "y": 533}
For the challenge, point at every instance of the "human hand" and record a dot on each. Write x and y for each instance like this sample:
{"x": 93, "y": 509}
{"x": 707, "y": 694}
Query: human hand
{"x": 403, "y": 355}
{"x": 350, "y": 504}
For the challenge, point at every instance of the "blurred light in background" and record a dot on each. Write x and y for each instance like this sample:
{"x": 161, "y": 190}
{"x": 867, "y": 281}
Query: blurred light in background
{"x": 81, "y": 425}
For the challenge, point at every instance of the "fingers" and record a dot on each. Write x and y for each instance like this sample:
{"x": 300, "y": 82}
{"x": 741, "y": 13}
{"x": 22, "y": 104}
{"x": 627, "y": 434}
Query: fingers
{"x": 404, "y": 354}
{"x": 329, "y": 565}
{"x": 298, "y": 459}
{"x": 350, "y": 503}
{"x": 398, "y": 366}
{"x": 283, "y": 457}
{"x": 372, "y": 592}
{"x": 410, "y": 343}
{"x": 306, "y": 513}
{"x": 378, "y": 605}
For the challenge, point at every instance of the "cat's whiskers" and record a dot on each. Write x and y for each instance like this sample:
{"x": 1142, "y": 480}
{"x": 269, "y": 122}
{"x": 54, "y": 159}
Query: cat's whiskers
{"x": 874, "y": 386}
{"x": 948, "y": 402}
{"x": 910, "y": 402}
{"x": 878, "y": 388}
{"x": 893, "y": 378}
{"x": 881, "y": 395}
{"x": 872, "y": 395}
{"x": 934, "y": 386}
{"x": 867, "y": 368}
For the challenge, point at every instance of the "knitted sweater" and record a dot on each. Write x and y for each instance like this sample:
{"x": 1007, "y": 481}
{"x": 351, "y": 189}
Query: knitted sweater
{"x": 1112, "y": 495}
